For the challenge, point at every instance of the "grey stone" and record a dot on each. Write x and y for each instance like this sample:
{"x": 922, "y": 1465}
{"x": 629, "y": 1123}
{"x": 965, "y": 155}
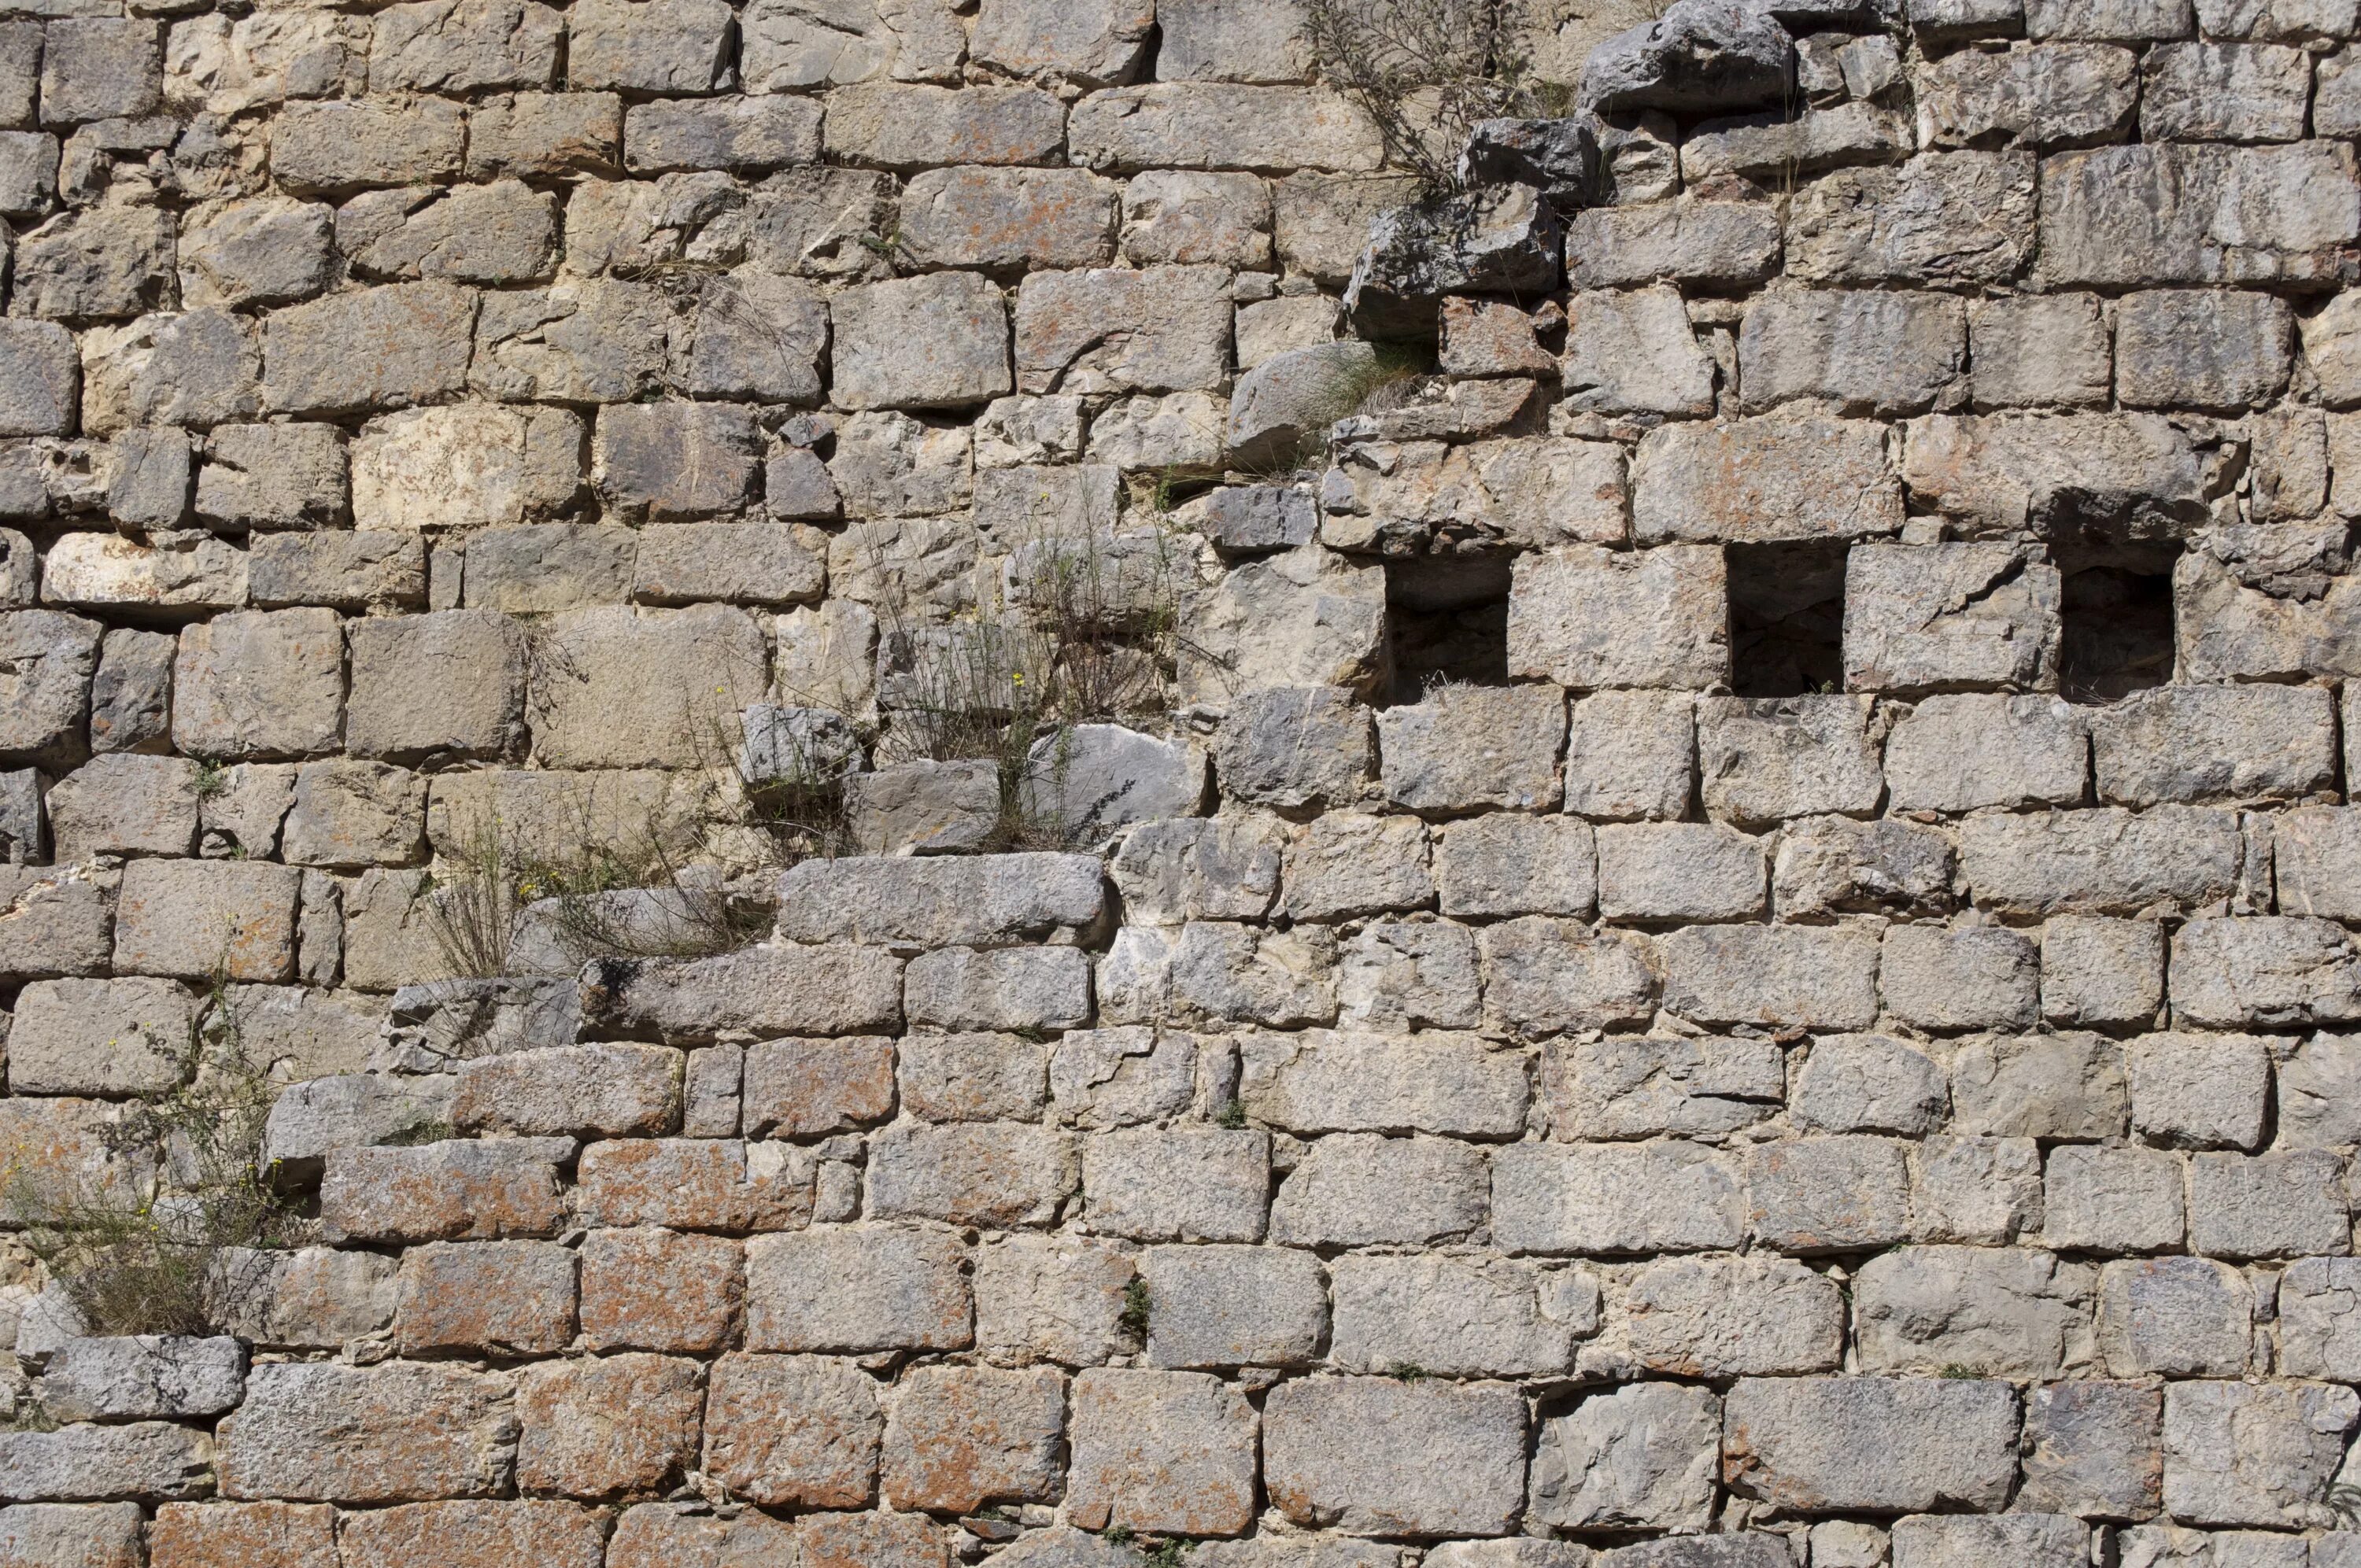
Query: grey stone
{"x": 1097, "y": 44}
{"x": 618, "y": 44}
{"x": 1934, "y": 1540}
{"x": 1253, "y": 519}
{"x": 927, "y": 807}
{"x": 1123, "y": 1077}
{"x": 2097, "y": 971}
{"x": 1180, "y": 1184}
{"x": 1361, "y": 1190}
{"x": 1772, "y": 976}
{"x": 911, "y": 127}
{"x": 2039, "y": 349}
{"x": 1615, "y": 1198}
{"x": 40, "y": 378}
{"x": 855, "y": 1289}
{"x": 1633, "y": 351}
{"x": 2197, "y": 743}
{"x": 1204, "y": 124}
{"x": 670, "y": 463}
{"x": 1002, "y": 219}
{"x": 1631, "y": 755}
{"x": 2293, "y": 1438}
{"x": 1090, "y": 779}
{"x": 1964, "y": 978}
{"x": 1832, "y": 865}
{"x": 1500, "y": 238}
{"x": 272, "y": 475}
{"x": 130, "y": 694}
{"x": 546, "y": 134}
{"x": 1322, "y": 1082}
{"x": 1507, "y": 863}
{"x": 1377, "y": 1456}
{"x": 2044, "y": 96}
{"x": 1346, "y": 863}
{"x": 98, "y": 69}
{"x": 1869, "y": 352}
{"x": 748, "y": 135}
{"x": 2273, "y": 971}
{"x": 2095, "y": 1448}
{"x": 2213, "y": 349}
{"x": 1176, "y": 216}
{"x": 2183, "y": 1317}
{"x": 2315, "y": 1299}
{"x": 1305, "y": 618}
{"x": 143, "y": 1458}
{"x": 1042, "y": 1296}
{"x": 1160, "y": 329}
{"x": 2100, "y": 861}
{"x": 125, "y": 803}
{"x": 1541, "y": 976}
{"x": 1719, "y": 1317}
{"x": 1462, "y": 748}
{"x": 2224, "y": 91}
{"x": 2198, "y": 1091}
{"x": 1898, "y": 1445}
{"x": 2178, "y": 213}
{"x": 1698, "y": 57}
{"x": 790, "y": 44}
{"x": 595, "y": 341}
{"x": 1240, "y": 975}
{"x": 49, "y": 663}
{"x": 2286, "y": 1204}
{"x": 933, "y": 342}
{"x": 1868, "y": 1083}
{"x": 1833, "y": 1194}
{"x": 1948, "y": 216}
{"x": 1233, "y": 1305}
{"x": 1199, "y": 869}
{"x": 1014, "y": 988}
{"x": 2113, "y": 1200}
{"x": 1800, "y": 475}
{"x": 1587, "y": 617}
{"x": 1929, "y": 618}
{"x": 1644, "y": 1454}
{"x": 1637, "y": 1089}
{"x": 1992, "y": 1313}
{"x": 1459, "y": 1316}
{"x": 115, "y": 1036}
{"x": 928, "y": 903}
{"x": 1688, "y": 240}
{"x": 63, "y": 1533}
{"x": 1290, "y": 748}
{"x": 1679, "y": 871}
{"x": 2315, "y": 1092}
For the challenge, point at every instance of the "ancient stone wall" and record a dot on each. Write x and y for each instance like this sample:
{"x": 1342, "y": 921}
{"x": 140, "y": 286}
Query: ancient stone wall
{"x": 1684, "y": 894}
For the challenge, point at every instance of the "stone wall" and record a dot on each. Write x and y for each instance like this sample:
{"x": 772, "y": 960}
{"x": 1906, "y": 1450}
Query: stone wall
{"x": 1730, "y": 949}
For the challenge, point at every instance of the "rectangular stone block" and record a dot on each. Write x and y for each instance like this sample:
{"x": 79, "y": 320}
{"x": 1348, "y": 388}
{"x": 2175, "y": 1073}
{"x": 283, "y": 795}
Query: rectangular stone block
{"x": 649, "y": 1289}
{"x": 858, "y": 1290}
{"x": 1777, "y": 477}
{"x": 505, "y": 1299}
{"x": 994, "y": 1174}
{"x": 2106, "y": 861}
{"x": 1589, "y": 618}
{"x": 1365, "y": 1189}
{"x": 1177, "y": 1184}
{"x": 2181, "y": 213}
{"x": 1877, "y": 1444}
{"x": 718, "y": 1184}
{"x": 758, "y": 990}
{"x": 1615, "y": 1198}
{"x": 1161, "y": 1451}
{"x": 1233, "y": 1305}
{"x": 457, "y": 1189}
{"x": 1774, "y": 976}
{"x": 196, "y": 918}
{"x": 1949, "y": 618}
{"x": 1320, "y": 1081}
{"x": 322, "y": 1432}
{"x": 1378, "y": 1456}
{"x": 963, "y": 1436}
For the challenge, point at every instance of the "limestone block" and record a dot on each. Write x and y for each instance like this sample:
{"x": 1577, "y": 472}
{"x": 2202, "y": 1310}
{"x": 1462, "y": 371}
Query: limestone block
{"x": 1293, "y": 747}
{"x": 934, "y": 342}
{"x": 54, "y": 923}
{"x": 2211, "y": 349}
{"x": 2100, "y": 862}
{"x": 961, "y": 1436}
{"x": 1095, "y": 44}
{"x": 1779, "y": 977}
{"x": 1240, "y": 975}
{"x": 999, "y": 219}
{"x": 1207, "y": 124}
{"x": 1833, "y": 1194}
{"x": 789, "y": 44}
{"x": 915, "y": 127}
{"x": 1833, "y": 864}
{"x": 1953, "y": 217}
{"x": 1934, "y": 1540}
{"x": 2238, "y": 1453}
{"x": 192, "y": 919}
{"x": 1868, "y": 1083}
{"x": 301, "y": 1535}
{"x": 857, "y": 1289}
{"x": 1679, "y": 871}
{"x": 1507, "y": 863}
{"x": 591, "y": 340}
{"x": 1399, "y": 499}
{"x": 1348, "y": 863}
{"x": 616, "y": 687}
{"x": 1589, "y": 618}
{"x": 1159, "y": 330}
{"x": 2100, "y": 972}
{"x": 1978, "y": 1190}
{"x": 1163, "y": 1451}
{"x": 500, "y": 233}
{"x": 2268, "y": 1205}
{"x": 267, "y": 477}
{"x": 1459, "y": 1316}
{"x": 319, "y": 1431}
{"x": 2195, "y": 744}
{"x": 1644, "y": 1454}
{"x": 1783, "y": 476}
{"x": 1631, "y": 755}
{"x": 2113, "y": 1200}
{"x": 101, "y": 263}
{"x": 1468, "y": 748}
{"x": 2274, "y": 971}
{"x": 1738, "y": 1316}
{"x": 510, "y": 1299}
{"x": 1361, "y": 1190}
{"x": 1870, "y": 352}
{"x": 748, "y": 135}
{"x": 1222, "y": 41}
{"x": 1615, "y": 1198}
{"x": 1377, "y": 1456}
{"x": 1998, "y": 1313}
{"x": 2132, "y": 473}
{"x": 1965, "y": 977}
{"x": 2198, "y": 1091}
{"x": 2038, "y": 350}
{"x": 1686, "y": 240}
{"x": 1233, "y": 1305}
{"x": 546, "y": 134}
{"x": 2183, "y": 1317}
{"x": 2044, "y": 95}
{"x": 1637, "y": 1089}
{"x": 2095, "y": 1448}
{"x": 1541, "y": 976}
{"x": 130, "y": 694}
{"x": 446, "y": 683}
{"x": 1180, "y": 429}
{"x": 1177, "y": 1184}
{"x": 1695, "y": 58}
{"x": 124, "y": 803}
{"x": 1897, "y": 1446}
{"x": 1051, "y": 1297}
{"x": 571, "y": 1445}
{"x": 1305, "y": 618}
{"x": 1633, "y": 351}
{"x": 1320, "y": 1081}
{"x": 792, "y": 1430}
{"x": 1921, "y": 617}
{"x": 143, "y": 1458}
{"x": 2171, "y": 213}
{"x": 2224, "y": 91}
{"x": 40, "y": 381}
{"x": 417, "y": 338}
{"x": 101, "y": 1036}
{"x": 469, "y": 465}
{"x": 619, "y": 44}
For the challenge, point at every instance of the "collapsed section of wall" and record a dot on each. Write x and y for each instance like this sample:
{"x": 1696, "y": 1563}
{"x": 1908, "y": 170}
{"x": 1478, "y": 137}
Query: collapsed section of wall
{"x": 867, "y": 781}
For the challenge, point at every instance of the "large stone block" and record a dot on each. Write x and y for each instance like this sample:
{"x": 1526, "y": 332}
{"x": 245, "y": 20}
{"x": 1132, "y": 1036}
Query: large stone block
{"x": 1947, "y": 616}
{"x": 1161, "y": 329}
{"x": 1206, "y": 124}
{"x": 792, "y": 1430}
{"x": 1688, "y": 240}
{"x": 2180, "y": 1316}
{"x": 1465, "y": 747}
{"x": 212, "y": 1535}
{"x": 653, "y": 1289}
{"x": 1320, "y": 1081}
{"x": 1819, "y": 1195}
{"x": 2106, "y": 861}
{"x": 928, "y": 902}
{"x": 2240, "y": 1453}
{"x": 1897, "y": 1446}
{"x": 911, "y": 127}
{"x": 1625, "y": 1087}
{"x": 322, "y": 1432}
{"x": 599, "y": 1427}
{"x": 465, "y": 466}
{"x": 1589, "y": 618}
{"x": 616, "y": 687}
{"x": 1868, "y": 351}
{"x": 380, "y": 348}
{"x": 1950, "y": 217}
{"x": 92, "y": 1463}
{"x": 1161, "y": 1451}
{"x": 260, "y": 684}
{"x": 1306, "y": 617}
{"x": 940, "y": 341}
{"x": 2269, "y": 971}
{"x": 1009, "y": 218}
{"x": 2014, "y": 1313}
{"x": 963, "y": 1436}
{"x": 1788, "y": 476}
{"x": 2181, "y": 213}
{"x": 1233, "y": 1305}
{"x": 1719, "y": 1317}
{"x": 1615, "y": 1198}
{"x": 196, "y": 918}
{"x": 1378, "y": 1456}
{"x": 101, "y": 1036}
{"x": 1779, "y": 977}
{"x": 1360, "y": 1190}
{"x": 1459, "y": 1316}
{"x": 1642, "y": 1456}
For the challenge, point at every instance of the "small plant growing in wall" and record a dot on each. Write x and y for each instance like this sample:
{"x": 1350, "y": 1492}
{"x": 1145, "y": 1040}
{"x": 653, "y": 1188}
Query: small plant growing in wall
{"x": 1425, "y": 72}
{"x": 171, "y": 1242}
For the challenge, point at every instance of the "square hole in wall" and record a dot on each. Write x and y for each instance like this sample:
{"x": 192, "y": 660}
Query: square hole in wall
{"x": 1449, "y": 616}
{"x": 1787, "y": 617}
{"x": 2116, "y": 604}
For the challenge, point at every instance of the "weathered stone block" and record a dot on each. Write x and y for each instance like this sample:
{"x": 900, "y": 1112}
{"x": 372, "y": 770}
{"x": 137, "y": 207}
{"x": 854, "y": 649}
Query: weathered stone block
{"x": 1359, "y": 1188}
{"x": 457, "y": 1189}
{"x": 2182, "y": 1317}
{"x": 2240, "y": 1453}
{"x": 101, "y": 1036}
{"x": 792, "y": 1430}
{"x": 195, "y": 918}
{"x": 1000, "y": 901}
{"x": 260, "y": 684}
{"x": 1606, "y": 1197}
{"x": 509, "y": 1299}
{"x": 1459, "y": 1316}
{"x": 2097, "y": 971}
{"x": 1941, "y": 216}
{"x": 1465, "y": 747}
{"x": 1161, "y": 1451}
{"x": 1194, "y": 125}
{"x": 2272, "y": 1205}
{"x": 963, "y": 1436}
{"x": 1587, "y": 617}
{"x": 574, "y": 1443}
{"x": 1900, "y": 1446}
{"x": 2113, "y": 1200}
{"x": 1719, "y": 1317}
{"x": 655, "y": 1290}
{"x": 1974, "y": 976}
{"x": 857, "y": 1290}
{"x": 1679, "y": 871}
{"x": 1777, "y": 976}
{"x": 2102, "y": 862}
{"x": 1293, "y": 747}
{"x": 322, "y": 1432}
{"x": 2198, "y": 1091}
{"x": 1377, "y": 1456}
{"x": 1233, "y": 1305}
{"x": 2177, "y": 214}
